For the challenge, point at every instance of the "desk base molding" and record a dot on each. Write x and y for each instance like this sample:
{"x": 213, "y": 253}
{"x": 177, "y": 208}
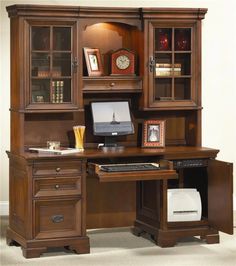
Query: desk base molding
{"x": 34, "y": 248}
{"x": 169, "y": 237}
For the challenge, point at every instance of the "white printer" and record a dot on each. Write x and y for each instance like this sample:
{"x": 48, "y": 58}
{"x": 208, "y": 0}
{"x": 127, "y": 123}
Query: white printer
{"x": 184, "y": 204}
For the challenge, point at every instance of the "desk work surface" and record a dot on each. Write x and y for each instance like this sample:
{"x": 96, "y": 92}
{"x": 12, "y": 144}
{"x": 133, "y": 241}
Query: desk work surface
{"x": 171, "y": 152}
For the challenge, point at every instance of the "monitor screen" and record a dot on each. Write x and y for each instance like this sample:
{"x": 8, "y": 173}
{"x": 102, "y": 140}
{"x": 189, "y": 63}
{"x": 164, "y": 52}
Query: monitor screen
{"x": 111, "y": 118}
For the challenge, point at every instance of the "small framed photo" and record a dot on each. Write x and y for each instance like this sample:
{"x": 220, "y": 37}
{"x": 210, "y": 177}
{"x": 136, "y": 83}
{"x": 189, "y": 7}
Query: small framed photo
{"x": 153, "y": 134}
{"x": 93, "y": 61}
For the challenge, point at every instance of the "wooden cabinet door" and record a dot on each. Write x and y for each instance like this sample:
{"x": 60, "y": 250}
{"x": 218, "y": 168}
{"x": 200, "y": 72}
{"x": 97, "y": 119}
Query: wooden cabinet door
{"x": 173, "y": 72}
{"x": 220, "y": 195}
{"x": 52, "y": 72}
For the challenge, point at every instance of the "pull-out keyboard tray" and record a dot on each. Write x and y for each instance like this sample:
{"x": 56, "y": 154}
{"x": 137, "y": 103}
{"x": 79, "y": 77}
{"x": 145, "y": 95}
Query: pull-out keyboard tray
{"x": 110, "y": 173}
{"x": 130, "y": 167}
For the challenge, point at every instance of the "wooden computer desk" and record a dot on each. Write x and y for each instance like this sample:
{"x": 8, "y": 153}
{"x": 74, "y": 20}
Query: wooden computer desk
{"x": 49, "y": 196}
{"x": 53, "y": 199}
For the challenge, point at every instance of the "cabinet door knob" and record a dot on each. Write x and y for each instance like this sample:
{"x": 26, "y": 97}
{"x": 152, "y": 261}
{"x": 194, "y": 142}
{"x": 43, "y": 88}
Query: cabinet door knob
{"x": 75, "y": 64}
{"x": 57, "y": 186}
{"x": 151, "y": 64}
{"x": 58, "y": 169}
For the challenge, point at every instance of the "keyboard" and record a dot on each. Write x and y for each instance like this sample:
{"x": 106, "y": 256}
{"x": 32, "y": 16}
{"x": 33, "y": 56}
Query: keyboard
{"x": 113, "y": 128}
{"x": 129, "y": 167}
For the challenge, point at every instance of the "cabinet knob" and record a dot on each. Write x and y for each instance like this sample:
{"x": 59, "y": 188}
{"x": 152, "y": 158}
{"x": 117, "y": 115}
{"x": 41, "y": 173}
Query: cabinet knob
{"x": 151, "y": 64}
{"x": 112, "y": 84}
{"x": 75, "y": 64}
{"x": 57, "y": 186}
{"x": 58, "y": 169}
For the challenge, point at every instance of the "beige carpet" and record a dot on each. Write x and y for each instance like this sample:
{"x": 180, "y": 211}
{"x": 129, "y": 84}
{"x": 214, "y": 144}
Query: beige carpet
{"x": 118, "y": 247}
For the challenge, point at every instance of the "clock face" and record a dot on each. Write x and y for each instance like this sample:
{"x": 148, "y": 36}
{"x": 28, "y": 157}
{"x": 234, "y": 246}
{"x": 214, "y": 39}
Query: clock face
{"x": 122, "y": 62}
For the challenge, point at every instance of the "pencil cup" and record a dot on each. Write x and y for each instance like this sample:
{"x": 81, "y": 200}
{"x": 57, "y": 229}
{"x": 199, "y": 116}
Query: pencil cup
{"x": 79, "y": 137}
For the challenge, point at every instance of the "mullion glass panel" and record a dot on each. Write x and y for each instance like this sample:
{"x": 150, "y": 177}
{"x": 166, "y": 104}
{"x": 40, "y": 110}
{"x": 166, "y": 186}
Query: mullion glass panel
{"x": 163, "y": 39}
{"x": 40, "y": 65}
{"x": 163, "y": 89}
{"x": 40, "y": 38}
{"x": 182, "y": 89}
{"x": 62, "y": 38}
{"x": 41, "y": 90}
{"x": 61, "y": 64}
{"x": 182, "y": 39}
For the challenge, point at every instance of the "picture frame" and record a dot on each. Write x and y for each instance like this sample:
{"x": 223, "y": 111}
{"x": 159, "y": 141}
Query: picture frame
{"x": 93, "y": 61}
{"x": 153, "y": 134}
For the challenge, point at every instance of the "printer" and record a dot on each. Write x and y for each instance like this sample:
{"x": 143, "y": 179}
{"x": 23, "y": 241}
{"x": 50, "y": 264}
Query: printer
{"x": 184, "y": 204}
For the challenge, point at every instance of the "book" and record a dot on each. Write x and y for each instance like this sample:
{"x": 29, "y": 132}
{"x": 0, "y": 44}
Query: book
{"x": 167, "y": 65}
{"x": 60, "y": 151}
{"x": 167, "y": 71}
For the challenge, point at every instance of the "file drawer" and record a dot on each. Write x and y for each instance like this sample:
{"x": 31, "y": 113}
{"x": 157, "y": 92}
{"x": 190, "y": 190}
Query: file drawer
{"x": 57, "y": 218}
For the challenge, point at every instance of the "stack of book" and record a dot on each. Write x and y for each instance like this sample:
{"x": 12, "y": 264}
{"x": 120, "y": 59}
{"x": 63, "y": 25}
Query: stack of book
{"x": 57, "y": 91}
{"x": 168, "y": 70}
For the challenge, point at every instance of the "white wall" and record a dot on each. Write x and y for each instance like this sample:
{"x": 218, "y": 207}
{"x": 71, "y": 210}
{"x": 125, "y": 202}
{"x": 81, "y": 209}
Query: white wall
{"x": 218, "y": 73}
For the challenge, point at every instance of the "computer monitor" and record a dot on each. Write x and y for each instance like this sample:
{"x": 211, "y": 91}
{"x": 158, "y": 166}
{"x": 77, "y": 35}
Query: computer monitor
{"x": 111, "y": 119}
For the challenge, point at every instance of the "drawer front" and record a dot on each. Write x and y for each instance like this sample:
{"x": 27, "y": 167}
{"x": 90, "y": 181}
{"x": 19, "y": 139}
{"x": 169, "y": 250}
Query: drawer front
{"x": 59, "y": 186}
{"x": 57, "y": 168}
{"x": 112, "y": 85}
{"x": 57, "y": 218}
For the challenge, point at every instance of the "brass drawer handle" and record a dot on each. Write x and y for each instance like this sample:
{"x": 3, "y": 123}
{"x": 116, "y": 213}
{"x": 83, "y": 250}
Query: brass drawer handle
{"x": 57, "y": 186}
{"x": 58, "y": 169}
{"x": 112, "y": 84}
{"x": 57, "y": 218}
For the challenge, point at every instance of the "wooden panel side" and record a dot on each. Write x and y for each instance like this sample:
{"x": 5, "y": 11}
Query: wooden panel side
{"x": 110, "y": 204}
{"x": 20, "y": 197}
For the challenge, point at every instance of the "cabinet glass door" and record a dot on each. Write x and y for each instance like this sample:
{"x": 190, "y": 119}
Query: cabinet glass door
{"x": 171, "y": 73}
{"x": 51, "y": 64}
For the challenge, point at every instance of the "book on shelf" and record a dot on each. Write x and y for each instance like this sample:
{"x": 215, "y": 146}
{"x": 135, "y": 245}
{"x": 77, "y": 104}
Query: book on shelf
{"x": 57, "y": 91}
{"x": 168, "y": 70}
{"x": 167, "y": 65}
{"x": 60, "y": 151}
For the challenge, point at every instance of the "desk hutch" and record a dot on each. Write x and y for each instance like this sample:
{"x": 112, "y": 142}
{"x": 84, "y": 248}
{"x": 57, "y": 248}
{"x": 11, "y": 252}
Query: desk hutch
{"x": 55, "y": 198}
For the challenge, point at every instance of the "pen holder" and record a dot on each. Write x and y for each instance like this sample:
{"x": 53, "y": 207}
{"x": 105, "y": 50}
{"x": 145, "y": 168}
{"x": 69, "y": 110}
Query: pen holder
{"x": 79, "y": 137}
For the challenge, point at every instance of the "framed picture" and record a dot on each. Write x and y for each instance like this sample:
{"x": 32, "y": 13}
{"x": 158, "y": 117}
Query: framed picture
{"x": 93, "y": 61}
{"x": 153, "y": 134}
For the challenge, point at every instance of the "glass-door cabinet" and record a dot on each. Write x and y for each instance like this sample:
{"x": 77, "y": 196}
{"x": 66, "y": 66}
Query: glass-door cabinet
{"x": 173, "y": 66}
{"x": 53, "y": 66}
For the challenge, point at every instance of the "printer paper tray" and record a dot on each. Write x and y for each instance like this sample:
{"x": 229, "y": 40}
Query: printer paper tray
{"x": 166, "y": 172}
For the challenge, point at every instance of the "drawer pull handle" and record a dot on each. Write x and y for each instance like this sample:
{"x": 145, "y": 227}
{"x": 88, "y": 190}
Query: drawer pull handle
{"x": 57, "y": 218}
{"x": 58, "y": 169}
{"x": 112, "y": 84}
{"x": 57, "y": 186}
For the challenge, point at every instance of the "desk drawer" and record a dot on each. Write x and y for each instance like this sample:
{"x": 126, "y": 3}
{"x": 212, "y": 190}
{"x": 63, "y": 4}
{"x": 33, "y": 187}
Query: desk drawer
{"x": 57, "y": 168}
{"x": 111, "y": 84}
{"x": 165, "y": 172}
{"x": 48, "y": 187}
{"x": 57, "y": 218}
